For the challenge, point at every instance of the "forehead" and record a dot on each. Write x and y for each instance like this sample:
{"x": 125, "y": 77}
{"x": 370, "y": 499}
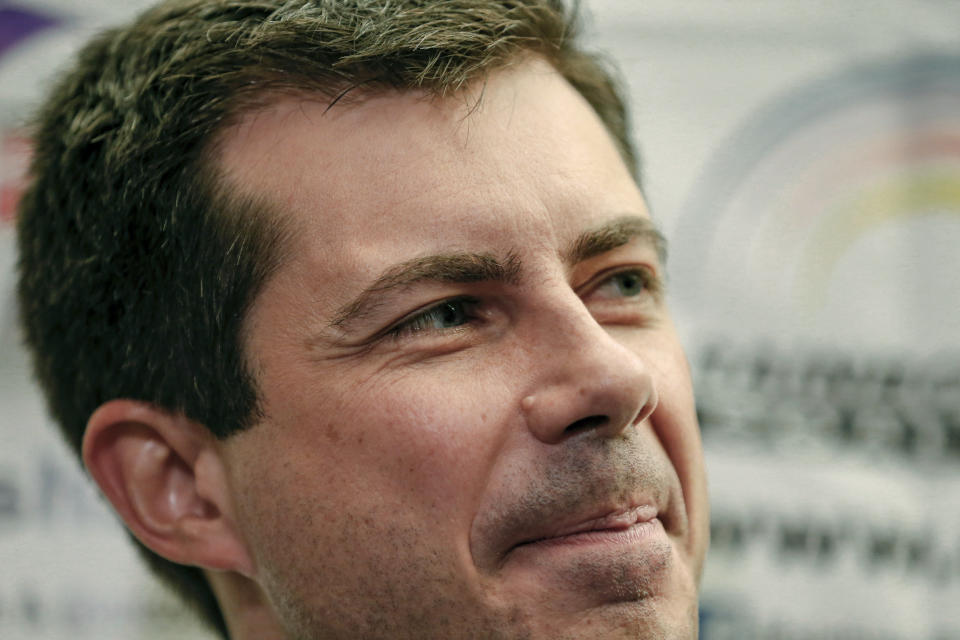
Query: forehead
{"x": 379, "y": 179}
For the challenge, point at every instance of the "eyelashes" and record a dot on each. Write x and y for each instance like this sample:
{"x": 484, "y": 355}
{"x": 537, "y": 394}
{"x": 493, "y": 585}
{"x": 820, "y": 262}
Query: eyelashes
{"x": 443, "y": 317}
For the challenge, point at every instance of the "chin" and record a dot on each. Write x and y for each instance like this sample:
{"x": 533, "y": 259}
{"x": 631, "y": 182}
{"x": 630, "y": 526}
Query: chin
{"x": 641, "y": 616}
{"x": 623, "y": 621}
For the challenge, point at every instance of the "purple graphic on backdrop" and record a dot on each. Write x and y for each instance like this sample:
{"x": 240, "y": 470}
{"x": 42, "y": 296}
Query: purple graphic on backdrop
{"x": 18, "y": 24}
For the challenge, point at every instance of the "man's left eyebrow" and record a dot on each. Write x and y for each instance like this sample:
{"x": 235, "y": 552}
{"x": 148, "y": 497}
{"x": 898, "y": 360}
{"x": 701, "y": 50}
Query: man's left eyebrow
{"x": 613, "y": 234}
{"x": 456, "y": 267}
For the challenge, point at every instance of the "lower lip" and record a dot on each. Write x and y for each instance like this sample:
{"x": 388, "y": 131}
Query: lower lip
{"x": 616, "y": 564}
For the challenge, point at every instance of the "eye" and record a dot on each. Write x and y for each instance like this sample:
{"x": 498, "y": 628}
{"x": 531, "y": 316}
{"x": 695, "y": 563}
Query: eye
{"x": 444, "y": 316}
{"x": 629, "y": 283}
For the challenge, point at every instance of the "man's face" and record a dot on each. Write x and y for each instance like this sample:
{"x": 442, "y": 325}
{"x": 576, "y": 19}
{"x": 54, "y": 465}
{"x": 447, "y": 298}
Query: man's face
{"x": 478, "y": 418}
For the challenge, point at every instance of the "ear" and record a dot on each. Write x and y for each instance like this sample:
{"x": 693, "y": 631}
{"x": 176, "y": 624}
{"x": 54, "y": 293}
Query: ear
{"x": 165, "y": 477}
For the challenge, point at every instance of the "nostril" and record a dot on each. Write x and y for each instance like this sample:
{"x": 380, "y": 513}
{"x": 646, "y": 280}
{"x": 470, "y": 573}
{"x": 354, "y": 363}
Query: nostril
{"x": 586, "y": 424}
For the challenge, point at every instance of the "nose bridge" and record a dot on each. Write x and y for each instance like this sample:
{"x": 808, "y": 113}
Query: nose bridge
{"x": 583, "y": 377}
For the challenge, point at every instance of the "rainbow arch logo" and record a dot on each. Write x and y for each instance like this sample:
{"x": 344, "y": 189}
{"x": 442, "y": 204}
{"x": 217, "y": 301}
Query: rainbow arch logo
{"x": 833, "y": 214}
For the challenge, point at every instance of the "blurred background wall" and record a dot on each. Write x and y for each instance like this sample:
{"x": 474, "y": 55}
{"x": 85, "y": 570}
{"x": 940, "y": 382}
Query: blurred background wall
{"x": 803, "y": 157}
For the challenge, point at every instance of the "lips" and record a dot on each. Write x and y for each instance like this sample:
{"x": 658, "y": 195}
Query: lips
{"x": 610, "y": 521}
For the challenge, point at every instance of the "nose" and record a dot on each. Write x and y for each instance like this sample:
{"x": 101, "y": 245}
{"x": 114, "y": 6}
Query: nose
{"x": 584, "y": 380}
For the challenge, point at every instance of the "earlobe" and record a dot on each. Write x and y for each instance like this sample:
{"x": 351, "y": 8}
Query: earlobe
{"x": 163, "y": 475}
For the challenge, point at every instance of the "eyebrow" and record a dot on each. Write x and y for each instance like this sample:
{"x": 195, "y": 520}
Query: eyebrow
{"x": 613, "y": 234}
{"x": 461, "y": 267}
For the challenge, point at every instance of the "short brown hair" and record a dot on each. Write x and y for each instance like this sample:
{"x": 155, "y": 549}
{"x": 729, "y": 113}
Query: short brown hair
{"x": 136, "y": 268}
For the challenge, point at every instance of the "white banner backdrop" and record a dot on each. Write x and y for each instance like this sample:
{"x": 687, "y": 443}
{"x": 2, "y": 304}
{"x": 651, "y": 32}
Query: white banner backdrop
{"x": 804, "y": 159}
{"x": 815, "y": 271}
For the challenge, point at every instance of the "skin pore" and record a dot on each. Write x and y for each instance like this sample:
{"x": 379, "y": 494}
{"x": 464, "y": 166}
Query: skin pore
{"x": 478, "y": 420}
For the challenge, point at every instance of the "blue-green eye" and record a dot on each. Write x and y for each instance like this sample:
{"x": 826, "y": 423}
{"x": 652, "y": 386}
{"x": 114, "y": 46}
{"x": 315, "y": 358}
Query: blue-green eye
{"x": 625, "y": 284}
{"x": 629, "y": 283}
{"x": 446, "y": 315}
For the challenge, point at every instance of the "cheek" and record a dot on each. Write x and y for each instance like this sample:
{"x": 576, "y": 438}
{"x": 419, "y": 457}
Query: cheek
{"x": 436, "y": 438}
{"x": 421, "y": 440}
{"x": 367, "y": 468}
